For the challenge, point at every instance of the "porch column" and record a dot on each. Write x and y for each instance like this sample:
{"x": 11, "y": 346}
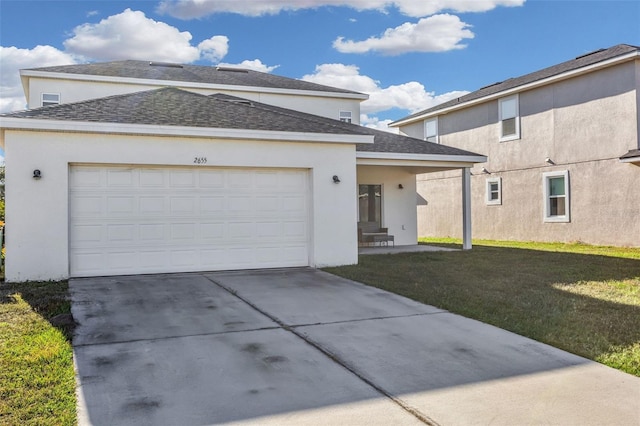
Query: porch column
{"x": 466, "y": 208}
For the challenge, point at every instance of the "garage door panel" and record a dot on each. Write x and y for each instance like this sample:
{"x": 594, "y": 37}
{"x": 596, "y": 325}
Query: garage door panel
{"x": 211, "y": 179}
{"x": 127, "y": 220}
{"x": 151, "y": 179}
{"x": 121, "y": 177}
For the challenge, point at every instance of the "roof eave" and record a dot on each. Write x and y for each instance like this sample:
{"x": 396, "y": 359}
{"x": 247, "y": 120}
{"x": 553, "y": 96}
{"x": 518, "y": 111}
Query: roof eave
{"x": 543, "y": 82}
{"x": 190, "y": 84}
{"x": 406, "y": 159}
{"x": 30, "y": 124}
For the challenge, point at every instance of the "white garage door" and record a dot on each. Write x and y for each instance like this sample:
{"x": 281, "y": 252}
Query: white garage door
{"x": 126, "y": 220}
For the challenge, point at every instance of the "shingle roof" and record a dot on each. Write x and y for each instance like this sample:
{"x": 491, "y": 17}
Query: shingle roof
{"x": 190, "y": 73}
{"x": 574, "y": 64}
{"x": 176, "y": 107}
{"x": 634, "y": 153}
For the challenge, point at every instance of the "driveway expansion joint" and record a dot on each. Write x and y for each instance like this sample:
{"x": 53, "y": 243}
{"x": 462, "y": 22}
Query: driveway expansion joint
{"x": 406, "y": 407}
{"x": 367, "y": 319}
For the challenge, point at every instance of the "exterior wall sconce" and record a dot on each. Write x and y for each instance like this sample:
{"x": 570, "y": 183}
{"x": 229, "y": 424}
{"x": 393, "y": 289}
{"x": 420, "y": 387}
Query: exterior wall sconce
{"x": 549, "y": 161}
{"x": 336, "y": 179}
{"x": 485, "y": 171}
{"x": 37, "y": 174}
{"x": 400, "y": 186}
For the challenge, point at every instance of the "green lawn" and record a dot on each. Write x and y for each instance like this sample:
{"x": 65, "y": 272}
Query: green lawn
{"x": 580, "y": 298}
{"x": 37, "y": 385}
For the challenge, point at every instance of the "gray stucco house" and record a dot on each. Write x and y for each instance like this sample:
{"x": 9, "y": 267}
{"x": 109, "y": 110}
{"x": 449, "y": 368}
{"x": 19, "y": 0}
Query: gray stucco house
{"x": 563, "y": 157}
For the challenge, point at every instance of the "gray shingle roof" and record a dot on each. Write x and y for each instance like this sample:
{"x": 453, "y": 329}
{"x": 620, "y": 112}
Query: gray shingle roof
{"x": 175, "y": 107}
{"x": 190, "y": 73}
{"x": 579, "y": 62}
{"x": 634, "y": 153}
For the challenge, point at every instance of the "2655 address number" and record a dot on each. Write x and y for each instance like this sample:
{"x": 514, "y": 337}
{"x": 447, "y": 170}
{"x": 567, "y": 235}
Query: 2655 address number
{"x": 199, "y": 160}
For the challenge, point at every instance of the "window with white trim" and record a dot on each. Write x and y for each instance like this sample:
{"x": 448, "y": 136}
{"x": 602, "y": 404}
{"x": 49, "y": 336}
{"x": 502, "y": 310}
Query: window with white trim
{"x": 345, "y": 116}
{"x": 50, "y": 99}
{"x": 494, "y": 191}
{"x": 509, "y": 115}
{"x": 556, "y": 196}
{"x": 431, "y": 130}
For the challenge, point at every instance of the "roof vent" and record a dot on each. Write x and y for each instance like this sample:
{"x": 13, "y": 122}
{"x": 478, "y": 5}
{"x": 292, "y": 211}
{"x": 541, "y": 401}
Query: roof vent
{"x": 491, "y": 85}
{"x": 231, "y": 69}
{"x": 165, "y": 64}
{"x": 238, "y": 101}
{"x": 590, "y": 53}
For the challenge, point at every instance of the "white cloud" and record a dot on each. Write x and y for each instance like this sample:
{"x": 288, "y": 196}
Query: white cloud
{"x": 215, "y": 48}
{"x": 12, "y": 59}
{"x": 255, "y": 65}
{"x": 438, "y": 33}
{"x": 131, "y": 35}
{"x": 189, "y": 9}
{"x": 378, "y": 124}
{"x": 411, "y": 96}
{"x": 420, "y": 8}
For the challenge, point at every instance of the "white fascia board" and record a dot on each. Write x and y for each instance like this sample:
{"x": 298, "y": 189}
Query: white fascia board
{"x": 400, "y": 157}
{"x": 522, "y": 88}
{"x": 630, "y": 160}
{"x": 190, "y": 84}
{"x": 156, "y": 130}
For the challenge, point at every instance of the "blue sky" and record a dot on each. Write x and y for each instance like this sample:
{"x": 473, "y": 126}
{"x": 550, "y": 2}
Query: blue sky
{"x": 406, "y": 54}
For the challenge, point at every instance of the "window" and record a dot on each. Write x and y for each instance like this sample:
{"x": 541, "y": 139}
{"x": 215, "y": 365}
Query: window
{"x": 50, "y": 99}
{"x": 556, "y": 196}
{"x": 345, "y": 116}
{"x": 431, "y": 130}
{"x": 370, "y": 204}
{"x": 494, "y": 191}
{"x": 509, "y": 118}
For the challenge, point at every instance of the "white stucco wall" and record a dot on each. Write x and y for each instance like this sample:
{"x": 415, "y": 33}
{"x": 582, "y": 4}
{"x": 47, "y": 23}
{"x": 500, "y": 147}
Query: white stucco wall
{"x": 398, "y": 205}
{"x": 78, "y": 90}
{"x": 37, "y": 210}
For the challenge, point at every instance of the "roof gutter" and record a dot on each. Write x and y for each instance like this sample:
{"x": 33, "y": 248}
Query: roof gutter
{"x": 24, "y": 74}
{"x": 396, "y": 156}
{"x": 543, "y": 82}
{"x": 30, "y": 124}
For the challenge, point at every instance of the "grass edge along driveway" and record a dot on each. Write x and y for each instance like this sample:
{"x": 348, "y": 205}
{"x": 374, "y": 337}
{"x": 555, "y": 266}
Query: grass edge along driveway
{"x": 580, "y": 298}
{"x": 584, "y": 299}
{"x": 37, "y": 383}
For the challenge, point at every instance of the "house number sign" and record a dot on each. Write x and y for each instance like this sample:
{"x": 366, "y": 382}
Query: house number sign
{"x": 199, "y": 160}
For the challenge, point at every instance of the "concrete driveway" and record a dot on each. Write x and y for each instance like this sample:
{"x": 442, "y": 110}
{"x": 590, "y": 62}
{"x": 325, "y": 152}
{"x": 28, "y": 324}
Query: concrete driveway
{"x": 300, "y": 346}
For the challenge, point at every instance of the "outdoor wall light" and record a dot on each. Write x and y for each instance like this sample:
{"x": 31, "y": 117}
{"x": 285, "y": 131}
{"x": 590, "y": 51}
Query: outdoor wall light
{"x": 37, "y": 174}
{"x": 483, "y": 170}
{"x": 400, "y": 186}
{"x": 549, "y": 161}
{"x": 336, "y": 179}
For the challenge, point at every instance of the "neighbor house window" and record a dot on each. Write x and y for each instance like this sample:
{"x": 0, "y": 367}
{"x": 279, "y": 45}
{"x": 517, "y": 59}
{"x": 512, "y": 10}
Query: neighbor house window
{"x": 345, "y": 116}
{"x": 494, "y": 191}
{"x": 556, "y": 196}
{"x": 509, "y": 118}
{"x": 431, "y": 130}
{"x": 50, "y": 99}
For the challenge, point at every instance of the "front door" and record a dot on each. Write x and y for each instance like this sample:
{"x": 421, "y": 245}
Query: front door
{"x": 370, "y": 204}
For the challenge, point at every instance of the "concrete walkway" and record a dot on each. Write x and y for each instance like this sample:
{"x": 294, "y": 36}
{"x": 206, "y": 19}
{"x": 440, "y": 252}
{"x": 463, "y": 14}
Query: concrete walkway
{"x": 303, "y": 347}
{"x": 416, "y": 248}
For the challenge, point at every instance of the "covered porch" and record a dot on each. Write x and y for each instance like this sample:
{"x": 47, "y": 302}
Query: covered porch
{"x": 387, "y": 198}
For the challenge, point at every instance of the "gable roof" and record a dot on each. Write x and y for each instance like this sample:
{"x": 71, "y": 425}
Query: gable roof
{"x": 189, "y": 74}
{"x": 175, "y": 107}
{"x": 578, "y": 63}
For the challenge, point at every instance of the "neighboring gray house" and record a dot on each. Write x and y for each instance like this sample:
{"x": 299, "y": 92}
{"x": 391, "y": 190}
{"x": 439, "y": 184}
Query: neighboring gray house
{"x": 563, "y": 154}
{"x": 140, "y": 167}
